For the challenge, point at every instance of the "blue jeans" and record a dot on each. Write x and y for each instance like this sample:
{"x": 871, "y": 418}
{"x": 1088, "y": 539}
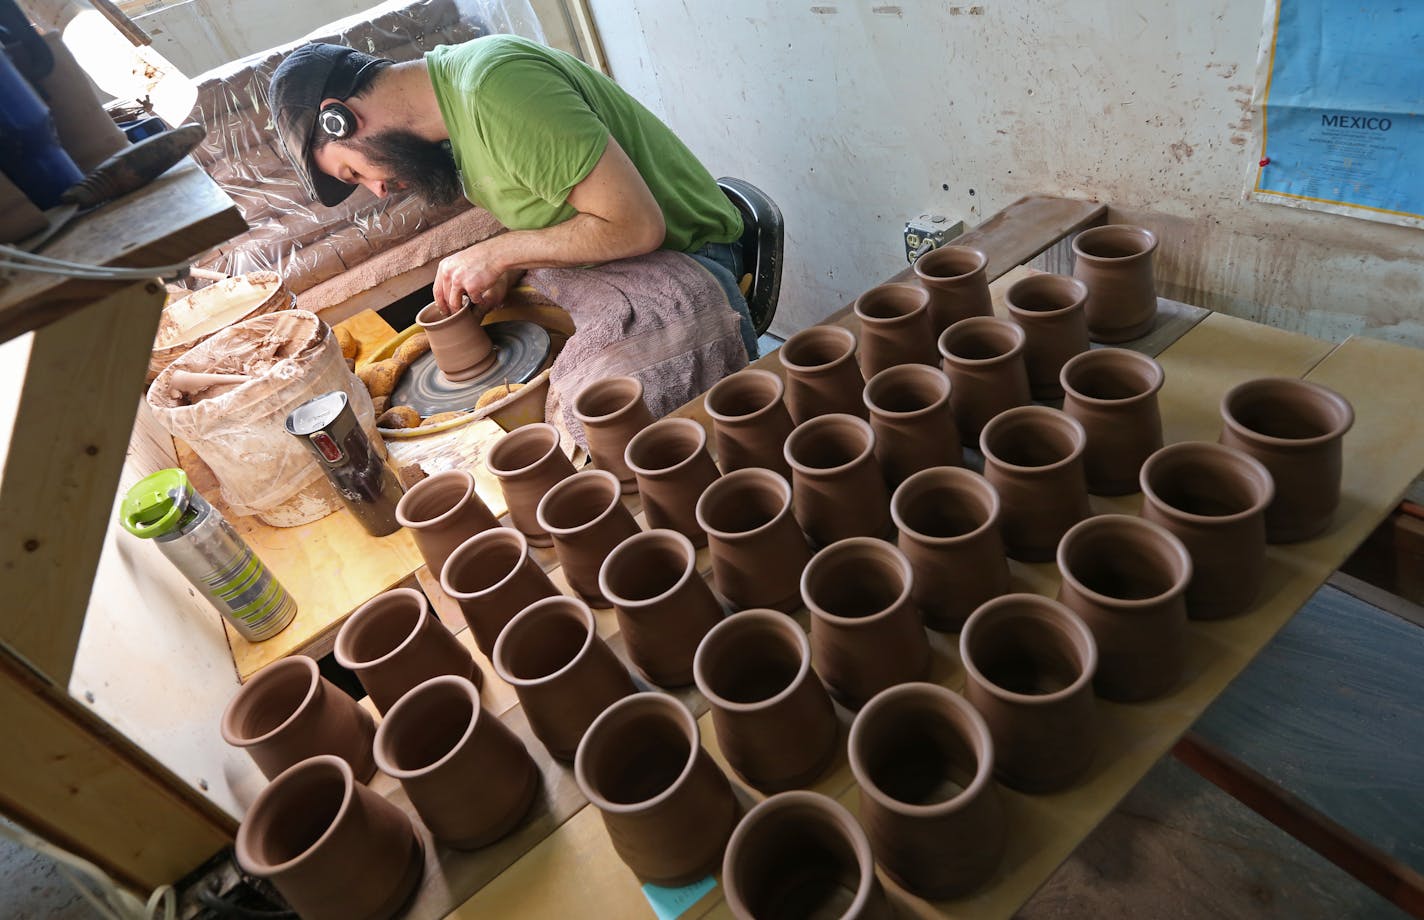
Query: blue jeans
{"x": 724, "y": 261}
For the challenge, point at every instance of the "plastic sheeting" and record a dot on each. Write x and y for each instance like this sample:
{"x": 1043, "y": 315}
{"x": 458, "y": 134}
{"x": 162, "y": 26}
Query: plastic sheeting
{"x": 302, "y": 240}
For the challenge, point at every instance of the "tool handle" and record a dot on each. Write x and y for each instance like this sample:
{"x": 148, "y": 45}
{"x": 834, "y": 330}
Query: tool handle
{"x": 134, "y": 167}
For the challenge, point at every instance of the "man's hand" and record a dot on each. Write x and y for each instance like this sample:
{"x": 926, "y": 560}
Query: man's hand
{"x": 470, "y": 273}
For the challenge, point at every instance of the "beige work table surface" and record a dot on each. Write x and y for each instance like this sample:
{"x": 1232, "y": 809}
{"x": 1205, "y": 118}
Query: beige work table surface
{"x": 560, "y": 863}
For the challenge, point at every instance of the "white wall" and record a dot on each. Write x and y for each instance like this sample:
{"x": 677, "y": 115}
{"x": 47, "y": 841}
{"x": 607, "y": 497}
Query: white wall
{"x": 198, "y": 35}
{"x": 855, "y": 116}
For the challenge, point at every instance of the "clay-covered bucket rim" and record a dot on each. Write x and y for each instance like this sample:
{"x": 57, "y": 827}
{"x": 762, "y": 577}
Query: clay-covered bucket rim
{"x": 806, "y": 801}
{"x": 477, "y": 543}
{"x": 428, "y": 484}
{"x": 968, "y": 324}
{"x": 1045, "y": 280}
{"x": 956, "y": 477}
{"x": 735, "y": 480}
{"x": 576, "y": 481}
{"x": 452, "y": 684}
{"x": 917, "y": 373}
{"x": 243, "y": 845}
{"x": 966, "y": 720}
{"x": 857, "y": 546}
{"x": 810, "y": 333}
{"x": 1110, "y": 357}
{"x": 659, "y": 429}
{"x": 1012, "y": 605}
{"x": 656, "y": 537}
{"x": 813, "y": 426}
{"x": 257, "y": 686}
{"x": 1239, "y": 460}
{"x": 924, "y": 265}
{"x": 633, "y": 385}
{"x": 1341, "y": 406}
{"x": 1055, "y": 416}
{"x": 742, "y": 378}
{"x": 513, "y": 439}
{"x": 375, "y": 607}
{"x": 648, "y": 700}
{"x": 914, "y": 294}
{"x": 1145, "y": 237}
{"x": 750, "y": 618}
{"x": 1149, "y": 531}
{"x": 560, "y": 605}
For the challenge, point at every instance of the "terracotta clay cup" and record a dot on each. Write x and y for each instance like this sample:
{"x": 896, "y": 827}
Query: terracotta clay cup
{"x": 392, "y": 642}
{"x": 585, "y": 516}
{"x": 334, "y": 849}
{"x": 441, "y": 512}
{"x": 1050, "y": 310}
{"x": 667, "y": 806}
{"x": 561, "y": 669}
{"x": 1029, "y": 664}
{"x": 948, "y": 520}
{"x": 612, "y": 411}
{"x": 749, "y": 421}
{"x": 822, "y": 376}
{"x": 1214, "y": 500}
{"x": 757, "y": 548}
{"x": 894, "y": 327}
{"x": 984, "y": 359}
{"x": 492, "y": 577}
{"x": 528, "y": 462}
{"x": 866, "y": 633}
{"x": 1033, "y": 457}
{"x": 1112, "y": 392}
{"x": 1127, "y": 578}
{"x": 924, "y": 760}
{"x": 673, "y": 468}
{"x": 1296, "y": 429}
{"x": 837, "y": 486}
{"x": 958, "y": 285}
{"x": 664, "y": 608}
{"x": 801, "y": 855}
{"x": 288, "y": 712}
{"x": 774, "y": 721}
{"x": 461, "y": 347}
{"x": 913, "y": 423}
{"x": 1115, "y": 262}
{"x": 468, "y": 776}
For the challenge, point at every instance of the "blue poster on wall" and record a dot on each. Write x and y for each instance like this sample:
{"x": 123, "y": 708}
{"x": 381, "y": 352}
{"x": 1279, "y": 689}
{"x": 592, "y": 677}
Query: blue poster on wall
{"x": 1339, "y": 102}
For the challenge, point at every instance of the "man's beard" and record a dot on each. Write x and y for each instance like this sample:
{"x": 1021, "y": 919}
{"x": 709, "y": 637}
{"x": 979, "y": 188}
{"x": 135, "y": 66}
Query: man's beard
{"x": 424, "y": 168}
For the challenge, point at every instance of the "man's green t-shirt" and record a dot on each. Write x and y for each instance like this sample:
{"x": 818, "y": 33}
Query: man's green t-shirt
{"x": 527, "y": 123}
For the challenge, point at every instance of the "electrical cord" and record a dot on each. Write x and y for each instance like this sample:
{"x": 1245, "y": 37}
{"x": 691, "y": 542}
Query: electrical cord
{"x": 224, "y": 908}
{"x": 16, "y": 259}
{"x": 94, "y": 885}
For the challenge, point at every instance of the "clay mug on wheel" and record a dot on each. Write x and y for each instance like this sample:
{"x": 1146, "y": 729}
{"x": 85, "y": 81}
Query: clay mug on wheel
{"x": 461, "y": 347}
{"x": 894, "y": 327}
{"x": 333, "y": 848}
{"x": 1127, "y": 578}
{"x": 392, "y": 642}
{"x": 983, "y": 357}
{"x": 924, "y": 761}
{"x": 669, "y": 458}
{"x": 561, "y": 669}
{"x": 837, "y": 486}
{"x": 749, "y": 421}
{"x": 758, "y": 550}
{"x": 822, "y": 376}
{"x": 1115, "y": 262}
{"x": 1050, "y": 310}
{"x": 528, "y": 462}
{"x": 1112, "y": 392}
{"x": 912, "y": 420}
{"x": 586, "y": 517}
{"x": 1296, "y": 429}
{"x": 611, "y": 411}
{"x": 774, "y": 722}
{"x": 957, "y": 280}
{"x": 492, "y": 577}
{"x": 666, "y": 805}
{"x": 1033, "y": 457}
{"x": 802, "y": 854}
{"x": 1029, "y": 664}
{"x": 1214, "y": 500}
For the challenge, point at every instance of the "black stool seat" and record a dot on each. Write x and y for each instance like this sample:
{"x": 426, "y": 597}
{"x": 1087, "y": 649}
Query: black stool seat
{"x": 762, "y": 237}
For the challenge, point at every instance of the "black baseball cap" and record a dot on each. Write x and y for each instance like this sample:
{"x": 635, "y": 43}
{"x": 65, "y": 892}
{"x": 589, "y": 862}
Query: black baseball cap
{"x": 308, "y": 75}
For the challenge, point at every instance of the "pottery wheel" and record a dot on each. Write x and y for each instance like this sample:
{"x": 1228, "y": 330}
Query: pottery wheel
{"x": 521, "y": 350}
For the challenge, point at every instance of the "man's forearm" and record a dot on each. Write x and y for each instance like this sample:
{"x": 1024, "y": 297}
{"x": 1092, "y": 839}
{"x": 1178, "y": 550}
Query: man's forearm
{"x": 583, "y": 239}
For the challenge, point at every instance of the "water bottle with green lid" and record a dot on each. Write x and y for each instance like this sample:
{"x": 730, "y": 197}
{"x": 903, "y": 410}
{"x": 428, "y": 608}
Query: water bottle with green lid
{"x": 164, "y": 507}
